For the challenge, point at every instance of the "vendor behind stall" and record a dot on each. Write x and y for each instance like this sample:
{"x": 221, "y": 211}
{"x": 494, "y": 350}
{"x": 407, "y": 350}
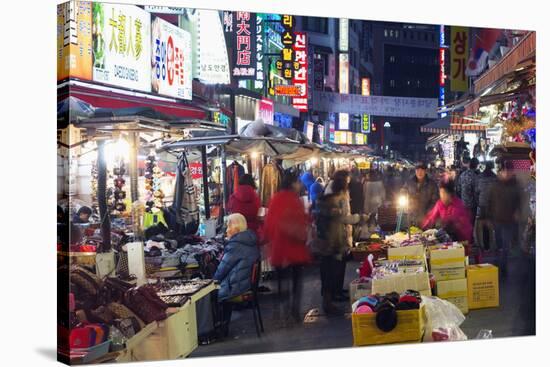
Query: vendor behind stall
{"x": 451, "y": 213}
{"x": 82, "y": 216}
{"x": 235, "y": 269}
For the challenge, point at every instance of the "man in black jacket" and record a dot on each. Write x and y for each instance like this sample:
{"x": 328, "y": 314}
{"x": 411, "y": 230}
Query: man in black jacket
{"x": 422, "y": 192}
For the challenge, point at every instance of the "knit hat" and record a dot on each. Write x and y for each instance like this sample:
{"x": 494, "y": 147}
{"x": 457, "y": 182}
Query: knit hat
{"x": 386, "y": 316}
{"x": 363, "y": 309}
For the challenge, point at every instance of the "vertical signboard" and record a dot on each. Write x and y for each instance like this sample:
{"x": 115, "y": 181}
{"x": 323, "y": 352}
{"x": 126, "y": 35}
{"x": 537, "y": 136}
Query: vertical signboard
{"x": 212, "y": 60}
{"x": 343, "y": 121}
{"x": 442, "y": 67}
{"x": 171, "y": 60}
{"x": 260, "y": 75}
{"x": 266, "y": 110}
{"x": 344, "y": 73}
{"x": 344, "y": 35}
{"x": 365, "y": 86}
{"x": 300, "y": 74}
{"x": 287, "y": 63}
{"x": 365, "y": 123}
{"x": 122, "y": 46}
{"x": 321, "y": 130}
{"x": 459, "y": 58}
{"x": 244, "y": 45}
{"x": 74, "y": 40}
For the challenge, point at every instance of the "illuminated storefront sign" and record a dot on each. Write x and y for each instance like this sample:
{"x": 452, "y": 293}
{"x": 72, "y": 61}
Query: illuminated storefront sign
{"x": 287, "y": 63}
{"x": 260, "y": 75}
{"x": 266, "y": 110}
{"x": 300, "y": 78}
{"x": 365, "y": 86}
{"x": 459, "y": 58}
{"x": 287, "y": 90}
{"x": 365, "y": 123}
{"x": 211, "y": 56}
{"x": 74, "y": 40}
{"x": 344, "y": 73}
{"x": 321, "y": 130}
{"x": 344, "y": 35}
{"x": 122, "y": 46}
{"x": 171, "y": 74}
{"x": 343, "y": 121}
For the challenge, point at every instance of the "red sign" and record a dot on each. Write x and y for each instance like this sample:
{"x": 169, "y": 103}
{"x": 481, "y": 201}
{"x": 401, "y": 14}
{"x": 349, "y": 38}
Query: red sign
{"x": 300, "y": 75}
{"x": 266, "y": 110}
{"x": 196, "y": 170}
{"x": 442, "y": 67}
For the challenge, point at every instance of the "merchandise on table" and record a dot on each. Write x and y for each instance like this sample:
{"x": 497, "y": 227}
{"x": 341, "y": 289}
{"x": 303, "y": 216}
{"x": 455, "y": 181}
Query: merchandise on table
{"x": 393, "y": 277}
{"x": 412, "y": 252}
{"x": 483, "y": 289}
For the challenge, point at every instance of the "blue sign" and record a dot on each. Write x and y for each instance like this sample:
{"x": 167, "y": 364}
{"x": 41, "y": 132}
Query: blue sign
{"x": 282, "y": 120}
{"x": 442, "y": 36}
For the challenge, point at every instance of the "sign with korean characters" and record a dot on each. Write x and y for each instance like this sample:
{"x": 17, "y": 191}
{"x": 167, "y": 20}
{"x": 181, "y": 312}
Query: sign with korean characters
{"x": 260, "y": 74}
{"x": 287, "y": 64}
{"x": 196, "y": 170}
{"x": 122, "y": 46}
{"x": 74, "y": 40}
{"x": 243, "y": 42}
{"x": 459, "y": 58}
{"x": 300, "y": 74}
{"x": 171, "y": 60}
{"x": 365, "y": 123}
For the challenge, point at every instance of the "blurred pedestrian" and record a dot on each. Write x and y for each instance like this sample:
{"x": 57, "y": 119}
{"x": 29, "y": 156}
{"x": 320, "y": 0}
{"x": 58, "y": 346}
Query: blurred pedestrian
{"x": 356, "y": 194}
{"x": 285, "y": 231}
{"x": 422, "y": 194}
{"x": 374, "y": 192}
{"x": 484, "y": 231}
{"x": 466, "y": 186}
{"x": 504, "y": 210}
{"x": 245, "y": 201}
{"x": 334, "y": 220}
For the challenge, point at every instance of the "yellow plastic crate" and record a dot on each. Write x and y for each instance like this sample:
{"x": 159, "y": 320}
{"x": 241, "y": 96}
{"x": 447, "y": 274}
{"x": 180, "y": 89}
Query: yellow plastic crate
{"x": 410, "y": 327}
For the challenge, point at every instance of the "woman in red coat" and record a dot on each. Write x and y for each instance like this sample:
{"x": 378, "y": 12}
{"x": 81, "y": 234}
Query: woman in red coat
{"x": 245, "y": 201}
{"x": 285, "y": 231}
{"x": 451, "y": 212}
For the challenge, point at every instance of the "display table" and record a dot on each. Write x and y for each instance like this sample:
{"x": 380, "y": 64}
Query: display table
{"x": 173, "y": 338}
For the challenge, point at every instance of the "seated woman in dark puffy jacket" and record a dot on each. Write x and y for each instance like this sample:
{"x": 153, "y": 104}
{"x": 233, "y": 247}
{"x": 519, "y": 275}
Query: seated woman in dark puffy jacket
{"x": 239, "y": 255}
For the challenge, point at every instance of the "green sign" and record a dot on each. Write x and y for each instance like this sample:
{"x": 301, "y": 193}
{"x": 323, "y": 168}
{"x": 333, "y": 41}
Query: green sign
{"x": 366, "y": 123}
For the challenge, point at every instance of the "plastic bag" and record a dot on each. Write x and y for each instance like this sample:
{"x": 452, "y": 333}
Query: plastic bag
{"x": 443, "y": 320}
{"x": 485, "y": 334}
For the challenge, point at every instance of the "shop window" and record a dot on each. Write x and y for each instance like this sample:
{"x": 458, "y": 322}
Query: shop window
{"x": 385, "y": 33}
{"x": 392, "y": 83}
{"x": 396, "y": 34}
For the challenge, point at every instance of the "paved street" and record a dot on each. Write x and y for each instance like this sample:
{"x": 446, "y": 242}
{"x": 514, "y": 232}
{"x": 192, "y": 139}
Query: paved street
{"x": 514, "y": 317}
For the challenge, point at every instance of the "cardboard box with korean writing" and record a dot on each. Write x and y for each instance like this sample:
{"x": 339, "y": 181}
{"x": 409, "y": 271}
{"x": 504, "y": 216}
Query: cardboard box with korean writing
{"x": 454, "y": 291}
{"x": 483, "y": 289}
{"x": 416, "y": 252}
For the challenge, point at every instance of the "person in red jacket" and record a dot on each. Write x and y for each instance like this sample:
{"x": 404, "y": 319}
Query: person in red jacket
{"x": 285, "y": 231}
{"x": 245, "y": 201}
{"x": 451, "y": 213}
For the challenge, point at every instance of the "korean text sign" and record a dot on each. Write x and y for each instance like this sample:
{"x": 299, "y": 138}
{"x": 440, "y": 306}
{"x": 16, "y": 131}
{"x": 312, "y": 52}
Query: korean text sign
{"x": 122, "y": 46}
{"x": 244, "y": 45}
{"x": 459, "y": 58}
{"x": 300, "y": 78}
{"x": 74, "y": 40}
{"x": 171, "y": 60}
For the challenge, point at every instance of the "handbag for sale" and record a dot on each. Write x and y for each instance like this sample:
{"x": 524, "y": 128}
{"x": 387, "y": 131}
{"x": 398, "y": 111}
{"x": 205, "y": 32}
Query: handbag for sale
{"x": 87, "y": 288}
{"x": 121, "y": 312}
{"x": 146, "y": 304}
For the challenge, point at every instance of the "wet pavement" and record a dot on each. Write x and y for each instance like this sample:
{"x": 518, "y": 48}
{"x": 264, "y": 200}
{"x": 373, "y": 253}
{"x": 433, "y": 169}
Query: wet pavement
{"x": 514, "y": 317}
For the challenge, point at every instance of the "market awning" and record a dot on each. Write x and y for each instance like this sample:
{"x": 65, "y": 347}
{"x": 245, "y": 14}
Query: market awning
{"x": 435, "y": 139}
{"x": 272, "y": 147}
{"x": 441, "y": 126}
{"x": 525, "y": 49}
{"x": 453, "y": 124}
{"x": 124, "y": 123}
{"x": 194, "y": 142}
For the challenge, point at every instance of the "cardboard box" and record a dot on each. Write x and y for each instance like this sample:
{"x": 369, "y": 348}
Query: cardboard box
{"x": 454, "y": 291}
{"x": 410, "y": 327}
{"x": 416, "y": 252}
{"x": 401, "y": 282}
{"x": 449, "y": 273}
{"x": 482, "y": 286}
{"x": 443, "y": 257}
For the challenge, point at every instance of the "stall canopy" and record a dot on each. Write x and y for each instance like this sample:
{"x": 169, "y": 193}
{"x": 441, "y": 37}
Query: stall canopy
{"x": 259, "y": 129}
{"x": 435, "y": 139}
{"x": 453, "y": 124}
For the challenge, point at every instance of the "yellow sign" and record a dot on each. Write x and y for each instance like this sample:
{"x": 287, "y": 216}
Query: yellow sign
{"x": 459, "y": 59}
{"x": 74, "y": 40}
